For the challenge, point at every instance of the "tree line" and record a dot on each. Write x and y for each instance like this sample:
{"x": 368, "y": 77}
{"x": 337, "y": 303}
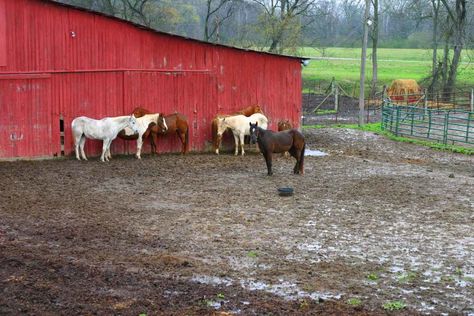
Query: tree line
{"x": 282, "y": 26}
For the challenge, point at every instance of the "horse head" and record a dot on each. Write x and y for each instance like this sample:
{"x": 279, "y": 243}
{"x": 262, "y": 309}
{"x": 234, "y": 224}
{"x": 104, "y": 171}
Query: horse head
{"x": 161, "y": 122}
{"x": 132, "y": 122}
{"x": 258, "y": 109}
{"x": 139, "y": 112}
{"x": 221, "y": 126}
{"x": 254, "y": 131}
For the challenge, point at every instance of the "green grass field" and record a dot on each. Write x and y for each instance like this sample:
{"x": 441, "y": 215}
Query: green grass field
{"x": 392, "y": 64}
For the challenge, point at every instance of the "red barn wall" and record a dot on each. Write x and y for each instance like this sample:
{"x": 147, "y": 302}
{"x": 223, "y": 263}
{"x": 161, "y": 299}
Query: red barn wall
{"x": 60, "y": 62}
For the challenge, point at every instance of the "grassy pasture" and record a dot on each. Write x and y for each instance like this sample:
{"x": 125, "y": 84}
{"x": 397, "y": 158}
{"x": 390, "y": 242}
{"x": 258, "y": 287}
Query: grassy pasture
{"x": 344, "y": 65}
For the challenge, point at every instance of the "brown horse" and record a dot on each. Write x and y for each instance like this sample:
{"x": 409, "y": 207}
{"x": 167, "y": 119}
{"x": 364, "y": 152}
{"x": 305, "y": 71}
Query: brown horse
{"x": 277, "y": 142}
{"x": 216, "y": 139}
{"x": 284, "y": 125}
{"x": 175, "y": 122}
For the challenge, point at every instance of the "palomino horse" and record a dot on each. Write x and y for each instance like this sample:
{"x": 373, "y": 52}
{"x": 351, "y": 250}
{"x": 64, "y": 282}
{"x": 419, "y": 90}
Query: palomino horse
{"x": 239, "y": 124}
{"x": 105, "y": 129}
{"x": 216, "y": 139}
{"x": 176, "y": 122}
{"x": 144, "y": 124}
{"x": 284, "y": 125}
{"x": 277, "y": 142}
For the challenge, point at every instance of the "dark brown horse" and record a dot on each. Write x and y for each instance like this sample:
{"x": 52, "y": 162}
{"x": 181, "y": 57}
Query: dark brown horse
{"x": 277, "y": 142}
{"x": 175, "y": 122}
{"x": 216, "y": 139}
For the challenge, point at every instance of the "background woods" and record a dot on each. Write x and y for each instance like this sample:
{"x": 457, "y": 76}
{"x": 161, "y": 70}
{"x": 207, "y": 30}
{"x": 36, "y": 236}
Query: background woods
{"x": 283, "y": 26}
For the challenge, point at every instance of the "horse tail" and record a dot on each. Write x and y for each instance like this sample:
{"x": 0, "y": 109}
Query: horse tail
{"x": 214, "y": 133}
{"x": 186, "y": 137}
{"x": 302, "y": 158}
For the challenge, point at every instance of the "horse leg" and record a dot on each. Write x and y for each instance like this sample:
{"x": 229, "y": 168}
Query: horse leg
{"x": 147, "y": 135}
{"x": 218, "y": 143}
{"x": 154, "y": 140}
{"x": 295, "y": 153}
{"x": 104, "y": 157}
{"x": 77, "y": 141}
{"x": 82, "y": 142}
{"x": 108, "y": 155}
{"x": 268, "y": 161}
{"x": 182, "y": 137}
{"x": 236, "y": 140}
{"x": 242, "y": 143}
{"x": 139, "y": 146}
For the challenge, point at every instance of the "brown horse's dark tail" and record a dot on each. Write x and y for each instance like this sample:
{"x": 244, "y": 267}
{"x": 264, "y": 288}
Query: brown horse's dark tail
{"x": 302, "y": 159}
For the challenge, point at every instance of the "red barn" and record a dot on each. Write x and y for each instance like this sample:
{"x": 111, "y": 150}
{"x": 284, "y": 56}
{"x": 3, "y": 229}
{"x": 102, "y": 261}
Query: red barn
{"x": 58, "y": 62}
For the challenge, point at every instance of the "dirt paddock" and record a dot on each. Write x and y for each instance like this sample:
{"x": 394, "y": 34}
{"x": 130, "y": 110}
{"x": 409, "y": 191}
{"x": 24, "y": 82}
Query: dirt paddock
{"x": 374, "y": 223}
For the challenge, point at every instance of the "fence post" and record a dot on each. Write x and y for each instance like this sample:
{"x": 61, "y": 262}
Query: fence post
{"x": 472, "y": 100}
{"x": 425, "y": 102}
{"x": 446, "y": 123}
{"x": 397, "y": 120}
{"x": 336, "y": 98}
{"x": 430, "y": 118}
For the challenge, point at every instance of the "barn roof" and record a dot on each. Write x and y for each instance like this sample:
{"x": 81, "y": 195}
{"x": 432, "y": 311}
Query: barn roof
{"x": 170, "y": 34}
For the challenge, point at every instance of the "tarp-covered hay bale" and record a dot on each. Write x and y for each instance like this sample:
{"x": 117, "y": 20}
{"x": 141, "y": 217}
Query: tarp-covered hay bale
{"x": 406, "y": 90}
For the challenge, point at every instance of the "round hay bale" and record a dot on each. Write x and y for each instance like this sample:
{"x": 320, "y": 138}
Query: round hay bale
{"x": 400, "y": 88}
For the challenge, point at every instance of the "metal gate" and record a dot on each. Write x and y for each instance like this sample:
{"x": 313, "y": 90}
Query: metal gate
{"x": 453, "y": 127}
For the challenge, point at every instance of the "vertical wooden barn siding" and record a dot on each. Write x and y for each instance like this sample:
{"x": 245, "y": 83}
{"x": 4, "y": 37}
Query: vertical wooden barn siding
{"x": 61, "y": 62}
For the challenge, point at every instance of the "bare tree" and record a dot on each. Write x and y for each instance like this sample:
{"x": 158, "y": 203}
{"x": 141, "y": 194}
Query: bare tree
{"x": 135, "y": 10}
{"x": 457, "y": 14}
{"x": 211, "y": 28}
{"x": 281, "y": 18}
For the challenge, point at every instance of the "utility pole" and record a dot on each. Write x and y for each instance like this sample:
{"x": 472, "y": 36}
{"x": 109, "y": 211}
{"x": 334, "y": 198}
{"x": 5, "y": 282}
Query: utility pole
{"x": 367, "y": 23}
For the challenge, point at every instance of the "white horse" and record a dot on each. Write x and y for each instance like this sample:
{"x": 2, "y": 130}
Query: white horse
{"x": 239, "y": 124}
{"x": 105, "y": 129}
{"x": 143, "y": 124}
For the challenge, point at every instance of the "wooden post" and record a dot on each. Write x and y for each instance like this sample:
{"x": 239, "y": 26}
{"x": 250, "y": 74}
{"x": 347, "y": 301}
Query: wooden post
{"x": 425, "y": 101}
{"x": 336, "y": 98}
{"x": 362, "y": 63}
{"x": 472, "y": 100}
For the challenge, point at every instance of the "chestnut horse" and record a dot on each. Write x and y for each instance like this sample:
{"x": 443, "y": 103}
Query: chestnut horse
{"x": 284, "y": 125}
{"x": 277, "y": 142}
{"x": 175, "y": 122}
{"x": 217, "y": 139}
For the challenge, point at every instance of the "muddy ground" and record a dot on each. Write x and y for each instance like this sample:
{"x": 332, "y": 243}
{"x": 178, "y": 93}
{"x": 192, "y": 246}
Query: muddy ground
{"x": 374, "y": 222}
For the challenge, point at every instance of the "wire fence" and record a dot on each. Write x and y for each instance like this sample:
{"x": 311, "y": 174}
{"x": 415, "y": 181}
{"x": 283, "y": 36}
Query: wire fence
{"x": 332, "y": 104}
